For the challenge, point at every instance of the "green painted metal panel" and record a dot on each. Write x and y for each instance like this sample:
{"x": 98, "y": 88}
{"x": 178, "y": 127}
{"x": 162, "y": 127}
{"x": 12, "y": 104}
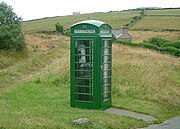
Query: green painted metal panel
{"x": 91, "y": 22}
{"x": 90, "y": 65}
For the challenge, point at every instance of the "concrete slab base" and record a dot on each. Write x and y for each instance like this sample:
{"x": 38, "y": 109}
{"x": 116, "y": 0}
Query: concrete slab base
{"x": 122, "y": 112}
{"x": 170, "y": 124}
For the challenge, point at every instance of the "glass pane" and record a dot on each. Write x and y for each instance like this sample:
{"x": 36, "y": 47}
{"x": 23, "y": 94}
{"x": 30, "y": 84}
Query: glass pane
{"x": 84, "y": 82}
{"x": 106, "y": 74}
{"x": 83, "y": 66}
{"x": 106, "y": 96}
{"x": 106, "y": 51}
{"x": 106, "y": 59}
{"x": 106, "y": 43}
{"x": 83, "y": 58}
{"x": 83, "y": 97}
{"x": 83, "y": 70}
{"x": 105, "y": 66}
{"x": 83, "y": 74}
{"x": 81, "y": 89}
{"x": 106, "y": 81}
{"x": 84, "y": 43}
{"x": 106, "y": 70}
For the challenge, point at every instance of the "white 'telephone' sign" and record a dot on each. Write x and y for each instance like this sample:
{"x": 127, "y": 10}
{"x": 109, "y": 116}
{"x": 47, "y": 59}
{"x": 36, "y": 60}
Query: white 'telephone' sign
{"x": 84, "y": 31}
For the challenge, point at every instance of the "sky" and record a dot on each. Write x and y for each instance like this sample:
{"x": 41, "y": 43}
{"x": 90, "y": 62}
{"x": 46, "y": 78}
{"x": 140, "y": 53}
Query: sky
{"x": 35, "y": 9}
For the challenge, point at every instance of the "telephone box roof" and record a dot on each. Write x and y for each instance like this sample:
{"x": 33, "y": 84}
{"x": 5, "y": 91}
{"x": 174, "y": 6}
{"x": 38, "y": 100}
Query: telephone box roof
{"x": 91, "y": 22}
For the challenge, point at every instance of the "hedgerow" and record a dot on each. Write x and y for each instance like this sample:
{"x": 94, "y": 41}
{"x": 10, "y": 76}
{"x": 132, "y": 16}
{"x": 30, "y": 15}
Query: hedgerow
{"x": 172, "y": 44}
{"x": 164, "y": 49}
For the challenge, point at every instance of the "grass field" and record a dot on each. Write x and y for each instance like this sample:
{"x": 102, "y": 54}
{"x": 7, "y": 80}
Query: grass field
{"x": 174, "y": 12}
{"x": 158, "y": 23}
{"x": 116, "y": 19}
{"x": 34, "y": 88}
{"x": 139, "y": 36}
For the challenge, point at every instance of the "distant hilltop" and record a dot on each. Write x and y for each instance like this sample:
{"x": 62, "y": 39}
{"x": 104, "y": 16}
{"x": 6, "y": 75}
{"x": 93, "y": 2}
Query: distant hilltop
{"x": 154, "y": 8}
{"x": 78, "y": 13}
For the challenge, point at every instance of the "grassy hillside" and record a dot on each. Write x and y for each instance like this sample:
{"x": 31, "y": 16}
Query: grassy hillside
{"x": 115, "y": 19}
{"x": 34, "y": 88}
{"x": 158, "y": 23}
{"x": 175, "y": 12}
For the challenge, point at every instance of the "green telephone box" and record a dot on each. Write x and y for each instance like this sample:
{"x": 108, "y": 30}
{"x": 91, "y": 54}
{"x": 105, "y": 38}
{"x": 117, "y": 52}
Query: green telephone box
{"x": 90, "y": 64}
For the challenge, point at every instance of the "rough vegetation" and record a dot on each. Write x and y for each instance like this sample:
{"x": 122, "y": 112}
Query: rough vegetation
{"x": 145, "y": 81}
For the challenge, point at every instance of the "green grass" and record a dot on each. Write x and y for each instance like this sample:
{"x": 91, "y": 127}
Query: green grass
{"x": 116, "y": 19}
{"x": 32, "y": 105}
{"x": 158, "y": 23}
{"x": 175, "y": 12}
{"x": 34, "y": 90}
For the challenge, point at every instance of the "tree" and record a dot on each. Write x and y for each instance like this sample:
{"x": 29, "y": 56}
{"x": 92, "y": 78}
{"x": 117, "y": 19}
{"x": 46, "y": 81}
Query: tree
{"x": 11, "y": 36}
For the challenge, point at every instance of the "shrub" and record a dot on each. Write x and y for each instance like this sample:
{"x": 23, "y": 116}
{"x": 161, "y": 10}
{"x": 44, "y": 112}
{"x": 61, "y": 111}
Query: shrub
{"x": 59, "y": 28}
{"x": 173, "y": 44}
{"x": 11, "y": 36}
{"x": 156, "y": 41}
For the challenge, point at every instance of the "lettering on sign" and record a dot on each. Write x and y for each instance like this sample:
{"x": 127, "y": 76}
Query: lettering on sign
{"x": 104, "y": 31}
{"x": 84, "y": 31}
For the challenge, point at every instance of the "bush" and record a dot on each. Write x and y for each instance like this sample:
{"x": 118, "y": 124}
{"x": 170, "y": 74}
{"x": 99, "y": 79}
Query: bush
{"x": 173, "y": 44}
{"x": 59, "y": 28}
{"x": 156, "y": 41}
{"x": 11, "y": 36}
